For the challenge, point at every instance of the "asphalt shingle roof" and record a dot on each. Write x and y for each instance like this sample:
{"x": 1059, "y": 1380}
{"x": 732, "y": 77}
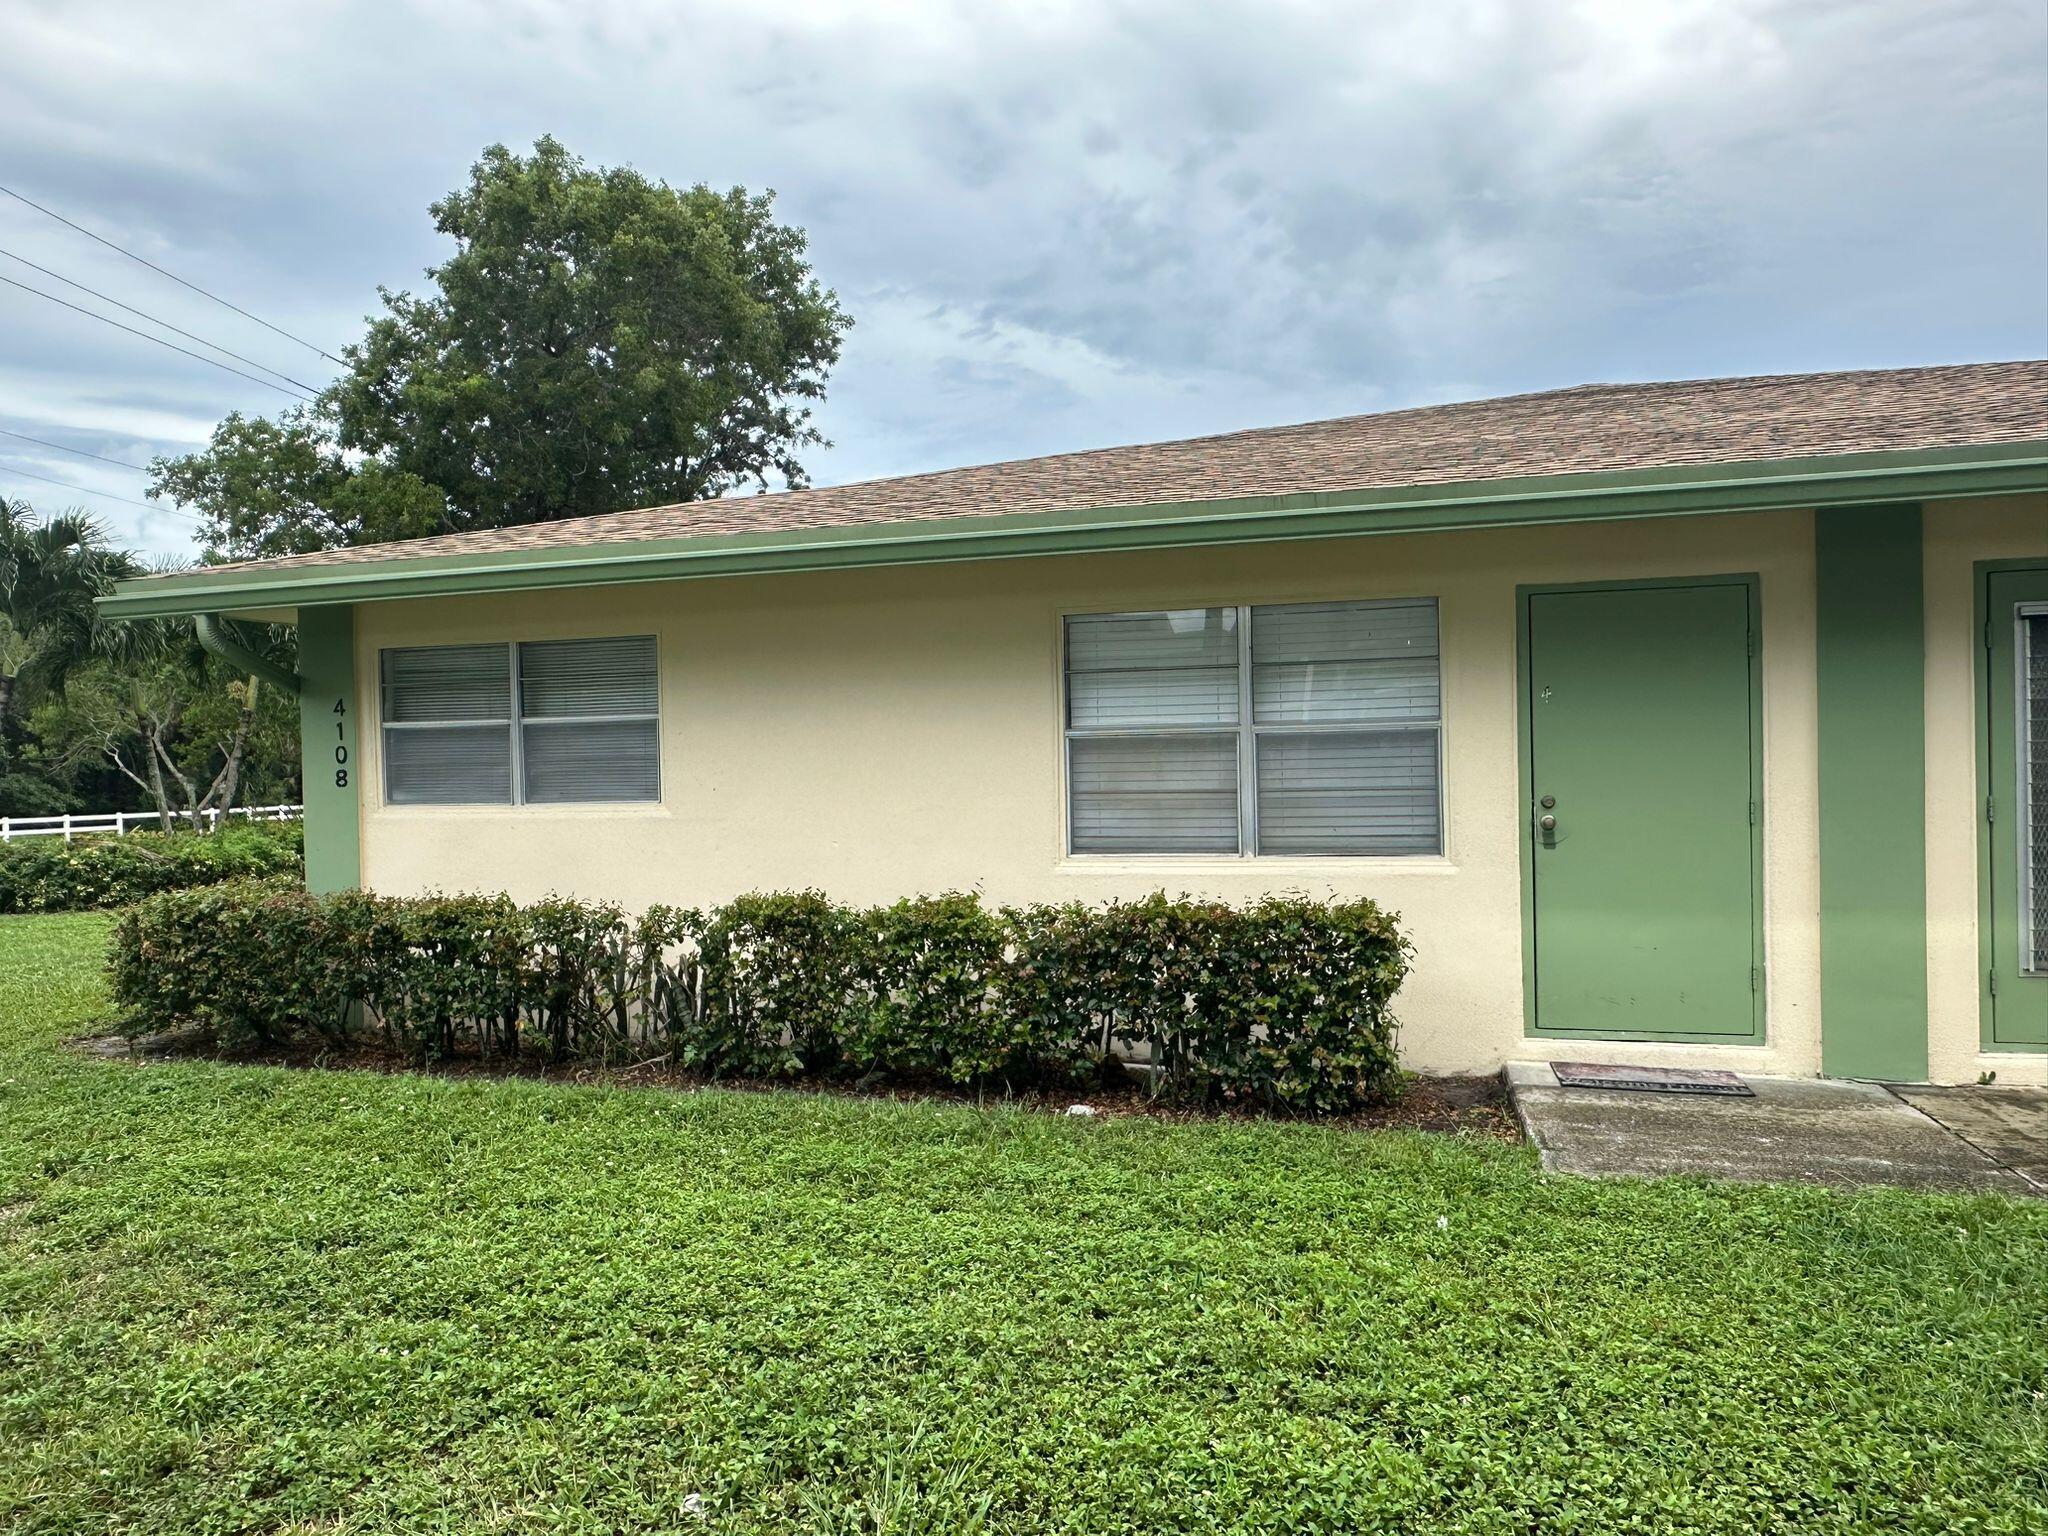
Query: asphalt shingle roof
{"x": 1588, "y": 429}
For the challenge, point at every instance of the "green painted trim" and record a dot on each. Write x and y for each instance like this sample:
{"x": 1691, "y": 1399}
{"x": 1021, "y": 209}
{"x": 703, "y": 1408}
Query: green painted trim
{"x": 328, "y": 749}
{"x": 1525, "y": 769}
{"x": 1690, "y": 490}
{"x": 1980, "y": 675}
{"x": 1870, "y": 662}
{"x": 1525, "y": 788}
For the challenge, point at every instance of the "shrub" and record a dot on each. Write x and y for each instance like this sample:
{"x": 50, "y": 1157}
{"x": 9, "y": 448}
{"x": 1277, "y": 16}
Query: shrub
{"x": 1301, "y": 992}
{"x": 929, "y": 1000}
{"x": 47, "y": 874}
{"x": 579, "y": 978}
{"x": 1063, "y": 987}
{"x": 1285, "y": 1003}
{"x": 778, "y": 973}
{"x": 450, "y": 969}
{"x": 255, "y": 963}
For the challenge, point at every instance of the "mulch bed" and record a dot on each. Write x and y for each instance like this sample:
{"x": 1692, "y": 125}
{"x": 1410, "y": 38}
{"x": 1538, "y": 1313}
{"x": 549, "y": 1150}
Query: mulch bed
{"x": 1458, "y": 1106}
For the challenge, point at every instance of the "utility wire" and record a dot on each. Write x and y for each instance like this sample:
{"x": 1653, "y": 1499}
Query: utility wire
{"x": 86, "y": 490}
{"x": 152, "y": 319}
{"x": 117, "y": 325}
{"x": 103, "y": 240}
{"x": 45, "y": 443}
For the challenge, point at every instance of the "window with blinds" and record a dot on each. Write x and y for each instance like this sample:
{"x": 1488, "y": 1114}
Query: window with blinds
{"x": 447, "y": 713}
{"x": 1152, "y": 727}
{"x": 539, "y": 722}
{"x": 587, "y": 725}
{"x": 1291, "y": 729}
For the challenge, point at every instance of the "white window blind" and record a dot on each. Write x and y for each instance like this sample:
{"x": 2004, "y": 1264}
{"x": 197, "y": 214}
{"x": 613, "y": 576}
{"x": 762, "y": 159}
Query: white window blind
{"x": 545, "y": 721}
{"x": 587, "y": 722}
{"x": 448, "y": 725}
{"x": 1305, "y": 728}
{"x": 2033, "y": 746}
{"x": 1152, "y": 721}
{"x": 1345, "y": 707}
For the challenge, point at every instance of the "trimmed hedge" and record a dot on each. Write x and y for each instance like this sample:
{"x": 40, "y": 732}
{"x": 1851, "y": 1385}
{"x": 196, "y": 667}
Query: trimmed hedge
{"x": 47, "y": 874}
{"x": 1284, "y": 1003}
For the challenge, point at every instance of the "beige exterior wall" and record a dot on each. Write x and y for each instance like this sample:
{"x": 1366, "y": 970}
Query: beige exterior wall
{"x": 876, "y": 733}
{"x": 1958, "y": 535}
{"x": 880, "y": 732}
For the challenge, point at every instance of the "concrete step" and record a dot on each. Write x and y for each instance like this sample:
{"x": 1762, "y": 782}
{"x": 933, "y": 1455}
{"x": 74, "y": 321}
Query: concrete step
{"x": 1794, "y": 1131}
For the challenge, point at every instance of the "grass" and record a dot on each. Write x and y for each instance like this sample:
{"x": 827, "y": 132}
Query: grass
{"x": 256, "y": 1299}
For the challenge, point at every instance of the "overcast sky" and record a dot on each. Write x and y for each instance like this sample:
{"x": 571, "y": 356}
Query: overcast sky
{"x": 1057, "y": 226}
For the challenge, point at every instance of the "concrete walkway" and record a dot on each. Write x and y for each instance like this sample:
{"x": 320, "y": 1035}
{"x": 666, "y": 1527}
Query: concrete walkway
{"x": 2008, "y": 1125}
{"x": 1795, "y": 1131}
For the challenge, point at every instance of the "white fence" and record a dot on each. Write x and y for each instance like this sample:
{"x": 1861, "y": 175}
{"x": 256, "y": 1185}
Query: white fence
{"x": 120, "y": 823}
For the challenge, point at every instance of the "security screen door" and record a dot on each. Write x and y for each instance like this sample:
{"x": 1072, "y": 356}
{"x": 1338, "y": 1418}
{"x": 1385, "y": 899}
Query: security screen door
{"x": 1643, "y": 803}
{"x": 2016, "y": 643}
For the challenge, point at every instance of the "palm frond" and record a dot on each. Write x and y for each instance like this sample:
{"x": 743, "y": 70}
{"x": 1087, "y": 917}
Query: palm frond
{"x": 51, "y": 571}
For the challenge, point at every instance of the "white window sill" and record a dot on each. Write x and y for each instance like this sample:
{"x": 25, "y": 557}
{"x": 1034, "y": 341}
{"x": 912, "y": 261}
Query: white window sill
{"x": 1270, "y": 866}
{"x": 621, "y": 809}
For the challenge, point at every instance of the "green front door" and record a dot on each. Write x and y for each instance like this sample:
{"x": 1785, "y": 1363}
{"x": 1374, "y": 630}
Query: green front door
{"x": 1641, "y": 758}
{"x": 2016, "y": 641}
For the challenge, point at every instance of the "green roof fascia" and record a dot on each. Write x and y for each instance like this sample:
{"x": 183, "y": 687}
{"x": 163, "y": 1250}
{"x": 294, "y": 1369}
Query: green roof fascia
{"x": 1688, "y": 490}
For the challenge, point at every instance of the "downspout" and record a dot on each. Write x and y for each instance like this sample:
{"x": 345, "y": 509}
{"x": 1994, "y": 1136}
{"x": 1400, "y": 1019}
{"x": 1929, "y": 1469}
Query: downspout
{"x": 223, "y": 638}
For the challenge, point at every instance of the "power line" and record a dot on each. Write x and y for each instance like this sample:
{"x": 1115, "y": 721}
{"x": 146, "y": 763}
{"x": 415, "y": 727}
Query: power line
{"x": 187, "y": 351}
{"x": 45, "y": 443}
{"x": 152, "y": 319}
{"x": 103, "y": 240}
{"x": 86, "y": 490}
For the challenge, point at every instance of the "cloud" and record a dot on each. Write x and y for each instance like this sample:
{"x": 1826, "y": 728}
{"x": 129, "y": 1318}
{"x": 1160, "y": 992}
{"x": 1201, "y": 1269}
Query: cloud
{"x": 1067, "y": 224}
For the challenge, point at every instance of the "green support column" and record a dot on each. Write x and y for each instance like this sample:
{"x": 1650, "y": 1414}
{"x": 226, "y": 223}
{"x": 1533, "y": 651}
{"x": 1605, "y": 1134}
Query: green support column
{"x": 327, "y": 748}
{"x": 1871, "y": 636}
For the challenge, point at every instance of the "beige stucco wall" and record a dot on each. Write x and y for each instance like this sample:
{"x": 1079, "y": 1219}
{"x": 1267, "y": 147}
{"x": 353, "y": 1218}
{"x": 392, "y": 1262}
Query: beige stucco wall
{"x": 1957, "y": 536}
{"x": 881, "y": 732}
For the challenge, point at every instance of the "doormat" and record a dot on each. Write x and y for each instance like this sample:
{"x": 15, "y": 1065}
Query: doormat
{"x": 1587, "y": 1074}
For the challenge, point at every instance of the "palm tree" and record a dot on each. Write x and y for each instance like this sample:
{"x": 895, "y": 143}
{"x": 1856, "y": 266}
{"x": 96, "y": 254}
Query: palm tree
{"x": 50, "y": 571}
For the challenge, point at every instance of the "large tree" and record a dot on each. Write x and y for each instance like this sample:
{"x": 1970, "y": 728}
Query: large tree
{"x": 284, "y": 487}
{"x": 596, "y": 341}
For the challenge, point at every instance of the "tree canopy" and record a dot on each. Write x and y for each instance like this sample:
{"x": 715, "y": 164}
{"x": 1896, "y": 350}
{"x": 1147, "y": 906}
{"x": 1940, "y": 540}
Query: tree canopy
{"x": 51, "y": 570}
{"x": 284, "y": 487}
{"x": 96, "y": 714}
{"x": 598, "y": 340}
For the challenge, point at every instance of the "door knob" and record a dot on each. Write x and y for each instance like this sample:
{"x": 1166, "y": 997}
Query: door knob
{"x": 1547, "y": 823}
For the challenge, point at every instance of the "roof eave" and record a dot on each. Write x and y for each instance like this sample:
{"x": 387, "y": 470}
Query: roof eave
{"x": 1690, "y": 490}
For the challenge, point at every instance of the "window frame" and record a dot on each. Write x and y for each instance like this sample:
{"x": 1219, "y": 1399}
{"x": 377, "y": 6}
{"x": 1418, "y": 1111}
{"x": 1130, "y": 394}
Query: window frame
{"x": 514, "y": 724}
{"x": 2031, "y": 962}
{"x": 1247, "y": 731}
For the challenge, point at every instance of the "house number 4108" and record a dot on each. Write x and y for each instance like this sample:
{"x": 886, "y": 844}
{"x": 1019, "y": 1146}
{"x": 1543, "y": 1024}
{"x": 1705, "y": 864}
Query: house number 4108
{"x": 341, "y": 744}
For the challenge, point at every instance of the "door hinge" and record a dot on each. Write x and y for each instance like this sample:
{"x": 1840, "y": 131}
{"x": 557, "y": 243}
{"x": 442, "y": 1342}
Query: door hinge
{"x": 1752, "y": 813}
{"x": 1754, "y": 978}
{"x": 1752, "y": 643}
{"x": 1994, "y": 982}
{"x": 1990, "y": 810}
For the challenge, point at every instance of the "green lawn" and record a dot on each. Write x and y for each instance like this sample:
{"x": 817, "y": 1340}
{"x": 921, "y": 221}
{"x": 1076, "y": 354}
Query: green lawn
{"x": 248, "y": 1299}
